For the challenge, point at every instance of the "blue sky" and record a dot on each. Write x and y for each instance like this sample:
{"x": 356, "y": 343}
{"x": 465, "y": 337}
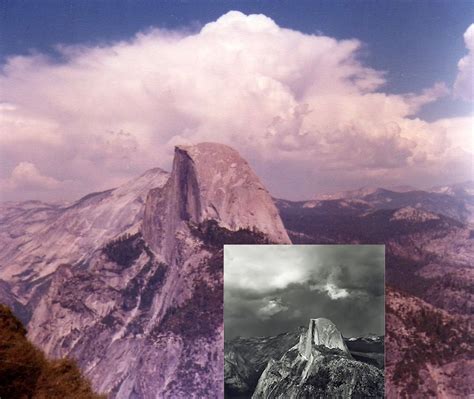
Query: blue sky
{"x": 342, "y": 94}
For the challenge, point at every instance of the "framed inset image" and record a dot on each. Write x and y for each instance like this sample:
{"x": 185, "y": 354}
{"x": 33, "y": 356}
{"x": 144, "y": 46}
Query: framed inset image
{"x": 304, "y": 321}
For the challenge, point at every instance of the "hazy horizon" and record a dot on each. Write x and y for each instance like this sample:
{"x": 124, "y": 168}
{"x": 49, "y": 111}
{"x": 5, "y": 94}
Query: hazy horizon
{"x": 60, "y": 200}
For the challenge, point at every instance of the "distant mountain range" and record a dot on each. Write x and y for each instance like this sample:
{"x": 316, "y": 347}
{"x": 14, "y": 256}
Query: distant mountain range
{"x": 455, "y": 201}
{"x": 129, "y": 281}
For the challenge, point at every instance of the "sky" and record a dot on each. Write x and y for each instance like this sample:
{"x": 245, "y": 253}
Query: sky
{"x": 271, "y": 289}
{"x": 318, "y": 96}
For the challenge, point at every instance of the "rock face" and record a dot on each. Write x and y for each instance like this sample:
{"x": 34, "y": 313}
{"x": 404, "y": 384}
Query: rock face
{"x": 129, "y": 282}
{"x": 36, "y": 237}
{"x": 312, "y": 369}
{"x": 321, "y": 332}
{"x": 245, "y": 359}
{"x": 210, "y": 182}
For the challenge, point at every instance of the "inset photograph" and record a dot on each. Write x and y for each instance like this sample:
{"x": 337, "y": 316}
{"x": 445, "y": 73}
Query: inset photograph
{"x": 304, "y": 321}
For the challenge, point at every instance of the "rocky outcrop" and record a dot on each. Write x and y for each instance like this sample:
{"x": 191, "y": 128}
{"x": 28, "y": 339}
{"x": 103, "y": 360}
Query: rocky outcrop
{"x": 312, "y": 369}
{"x": 415, "y": 215}
{"x": 210, "y": 182}
{"x": 245, "y": 359}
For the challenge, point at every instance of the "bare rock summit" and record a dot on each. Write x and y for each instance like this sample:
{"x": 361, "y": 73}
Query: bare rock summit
{"x": 210, "y": 181}
{"x": 321, "y": 332}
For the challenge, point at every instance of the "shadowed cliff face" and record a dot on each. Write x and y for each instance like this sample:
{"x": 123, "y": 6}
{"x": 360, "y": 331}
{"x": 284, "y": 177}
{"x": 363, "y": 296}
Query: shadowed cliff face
{"x": 142, "y": 310}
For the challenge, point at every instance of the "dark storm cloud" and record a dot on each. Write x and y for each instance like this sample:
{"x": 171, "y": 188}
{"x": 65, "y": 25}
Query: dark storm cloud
{"x": 273, "y": 289}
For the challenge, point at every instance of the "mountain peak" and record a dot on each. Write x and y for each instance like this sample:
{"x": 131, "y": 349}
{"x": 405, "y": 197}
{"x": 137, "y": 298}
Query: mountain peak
{"x": 321, "y": 331}
{"x": 465, "y": 188}
{"x": 231, "y": 192}
{"x": 211, "y": 181}
{"x": 73, "y": 230}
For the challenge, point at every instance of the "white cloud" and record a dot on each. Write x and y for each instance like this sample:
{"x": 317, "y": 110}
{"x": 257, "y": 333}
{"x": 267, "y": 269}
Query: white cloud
{"x": 332, "y": 290}
{"x": 247, "y": 267}
{"x": 271, "y": 308}
{"x": 464, "y": 84}
{"x": 27, "y": 176}
{"x": 287, "y": 100}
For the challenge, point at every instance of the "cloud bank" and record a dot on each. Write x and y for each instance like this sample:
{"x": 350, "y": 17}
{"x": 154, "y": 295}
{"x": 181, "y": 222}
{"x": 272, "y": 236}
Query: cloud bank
{"x": 277, "y": 288}
{"x": 295, "y": 105}
{"x": 464, "y": 84}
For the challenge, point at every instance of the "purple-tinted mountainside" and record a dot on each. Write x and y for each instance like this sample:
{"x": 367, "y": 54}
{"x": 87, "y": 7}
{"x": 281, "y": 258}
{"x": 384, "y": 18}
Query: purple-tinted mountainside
{"x": 129, "y": 281}
{"x": 429, "y": 239}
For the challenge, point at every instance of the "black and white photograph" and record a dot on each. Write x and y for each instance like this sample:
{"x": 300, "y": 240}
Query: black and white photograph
{"x": 304, "y": 321}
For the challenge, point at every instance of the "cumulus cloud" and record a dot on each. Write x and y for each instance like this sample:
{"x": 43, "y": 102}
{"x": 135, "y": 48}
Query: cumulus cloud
{"x": 333, "y": 291}
{"x": 277, "y": 288}
{"x": 271, "y": 308}
{"x": 297, "y": 103}
{"x": 247, "y": 268}
{"x": 27, "y": 176}
{"x": 464, "y": 84}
